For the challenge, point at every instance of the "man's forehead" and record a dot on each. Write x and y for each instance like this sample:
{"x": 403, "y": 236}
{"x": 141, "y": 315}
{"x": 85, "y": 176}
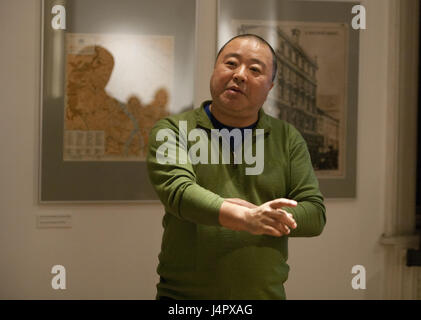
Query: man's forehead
{"x": 252, "y": 46}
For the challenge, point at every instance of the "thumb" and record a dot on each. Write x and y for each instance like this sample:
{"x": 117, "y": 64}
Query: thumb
{"x": 282, "y": 202}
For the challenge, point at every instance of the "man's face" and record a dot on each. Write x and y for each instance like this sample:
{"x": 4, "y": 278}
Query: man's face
{"x": 242, "y": 77}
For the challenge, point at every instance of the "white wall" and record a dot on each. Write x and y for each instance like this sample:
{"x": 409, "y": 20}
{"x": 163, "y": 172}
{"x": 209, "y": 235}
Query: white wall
{"x": 111, "y": 250}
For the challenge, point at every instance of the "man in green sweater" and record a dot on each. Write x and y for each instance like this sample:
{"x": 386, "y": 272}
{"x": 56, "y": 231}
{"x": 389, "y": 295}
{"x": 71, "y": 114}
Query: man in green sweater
{"x": 227, "y": 223}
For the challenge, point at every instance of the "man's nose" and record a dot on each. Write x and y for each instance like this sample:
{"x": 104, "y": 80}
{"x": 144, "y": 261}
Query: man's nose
{"x": 240, "y": 74}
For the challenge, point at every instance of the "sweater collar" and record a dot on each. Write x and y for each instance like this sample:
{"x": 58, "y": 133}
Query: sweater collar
{"x": 203, "y": 120}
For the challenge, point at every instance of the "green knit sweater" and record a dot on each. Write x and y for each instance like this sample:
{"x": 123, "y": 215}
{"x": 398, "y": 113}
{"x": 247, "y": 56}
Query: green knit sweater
{"x": 199, "y": 258}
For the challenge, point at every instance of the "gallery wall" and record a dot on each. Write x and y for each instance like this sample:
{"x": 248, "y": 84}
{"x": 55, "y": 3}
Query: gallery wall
{"x": 111, "y": 250}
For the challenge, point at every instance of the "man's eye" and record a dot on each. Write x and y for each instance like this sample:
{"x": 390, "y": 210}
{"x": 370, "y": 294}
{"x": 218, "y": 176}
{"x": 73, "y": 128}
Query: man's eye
{"x": 255, "y": 69}
{"x": 231, "y": 63}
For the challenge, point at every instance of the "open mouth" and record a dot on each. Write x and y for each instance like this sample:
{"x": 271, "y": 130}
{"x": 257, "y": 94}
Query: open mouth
{"x": 234, "y": 90}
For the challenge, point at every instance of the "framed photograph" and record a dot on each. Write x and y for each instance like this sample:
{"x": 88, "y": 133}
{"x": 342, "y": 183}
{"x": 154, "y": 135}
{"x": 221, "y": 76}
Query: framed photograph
{"x": 316, "y": 87}
{"x": 110, "y": 70}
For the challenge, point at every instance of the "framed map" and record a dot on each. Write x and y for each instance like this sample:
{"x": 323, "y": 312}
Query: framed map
{"x": 316, "y": 87}
{"x": 105, "y": 116}
{"x": 110, "y": 70}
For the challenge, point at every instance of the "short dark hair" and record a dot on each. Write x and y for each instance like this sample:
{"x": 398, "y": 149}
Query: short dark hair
{"x": 261, "y": 40}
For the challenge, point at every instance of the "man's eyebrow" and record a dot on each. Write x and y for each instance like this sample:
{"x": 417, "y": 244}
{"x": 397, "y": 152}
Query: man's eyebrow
{"x": 236, "y": 55}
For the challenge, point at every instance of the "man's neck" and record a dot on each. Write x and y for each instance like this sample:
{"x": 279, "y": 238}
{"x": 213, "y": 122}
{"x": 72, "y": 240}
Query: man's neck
{"x": 237, "y": 121}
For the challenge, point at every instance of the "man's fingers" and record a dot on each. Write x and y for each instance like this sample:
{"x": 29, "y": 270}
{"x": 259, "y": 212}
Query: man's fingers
{"x": 279, "y": 226}
{"x": 269, "y": 219}
{"x": 282, "y": 202}
{"x": 283, "y": 217}
{"x": 272, "y": 231}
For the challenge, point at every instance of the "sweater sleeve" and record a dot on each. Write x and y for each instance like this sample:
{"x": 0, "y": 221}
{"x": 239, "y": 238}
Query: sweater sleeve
{"x": 174, "y": 180}
{"x": 310, "y": 213}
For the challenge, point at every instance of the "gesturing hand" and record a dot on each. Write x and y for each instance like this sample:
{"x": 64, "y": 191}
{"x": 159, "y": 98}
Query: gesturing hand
{"x": 270, "y": 219}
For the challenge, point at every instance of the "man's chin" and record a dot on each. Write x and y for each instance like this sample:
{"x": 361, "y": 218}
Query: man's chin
{"x": 233, "y": 104}
{"x": 235, "y": 107}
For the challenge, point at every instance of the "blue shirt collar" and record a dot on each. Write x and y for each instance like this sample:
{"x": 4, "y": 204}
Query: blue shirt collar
{"x": 219, "y": 125}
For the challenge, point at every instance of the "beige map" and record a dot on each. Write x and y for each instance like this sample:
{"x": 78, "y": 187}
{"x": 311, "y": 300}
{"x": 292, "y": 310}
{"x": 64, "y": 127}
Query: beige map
{"x": 108, "y": 78}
